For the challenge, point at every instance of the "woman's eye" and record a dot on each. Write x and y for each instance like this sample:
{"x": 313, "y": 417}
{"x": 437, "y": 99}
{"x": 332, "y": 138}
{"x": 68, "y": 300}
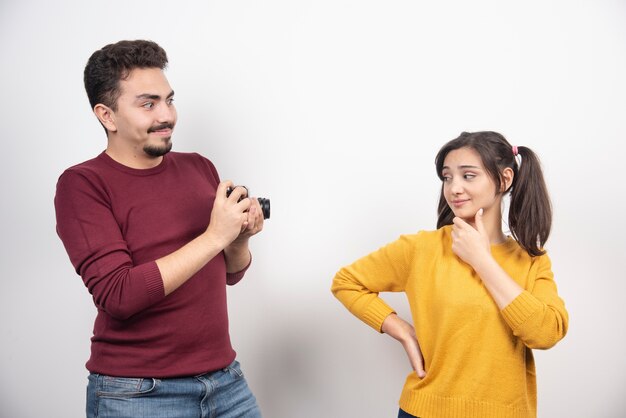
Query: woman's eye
{"x": 469, "y": 176}
{"x": 446, "y": 178}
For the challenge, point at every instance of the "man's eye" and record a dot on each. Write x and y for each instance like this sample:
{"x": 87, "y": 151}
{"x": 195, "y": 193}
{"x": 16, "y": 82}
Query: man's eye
{"x": 170, "y": 101}
{"x": 148, "y": 105}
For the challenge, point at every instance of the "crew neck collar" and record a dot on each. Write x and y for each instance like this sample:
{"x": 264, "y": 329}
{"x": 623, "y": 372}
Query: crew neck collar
{"x": 505, "y": 246}
{"x": 106, "y": 158}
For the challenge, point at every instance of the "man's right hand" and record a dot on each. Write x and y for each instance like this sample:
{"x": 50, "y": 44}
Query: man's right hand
{"x": 228, "y": 217}
{"x": 404, "y": 332}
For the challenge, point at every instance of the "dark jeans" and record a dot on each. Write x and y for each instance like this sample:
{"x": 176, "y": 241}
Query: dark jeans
{"x": 402, "y": 414}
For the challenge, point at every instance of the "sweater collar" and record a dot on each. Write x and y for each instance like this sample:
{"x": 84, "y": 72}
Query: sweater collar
{"x": 104, "y": 157}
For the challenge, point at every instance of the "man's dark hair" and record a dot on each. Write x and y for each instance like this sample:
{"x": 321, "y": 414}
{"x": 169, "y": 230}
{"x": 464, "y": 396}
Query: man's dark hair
{"x": 107, "y": 66}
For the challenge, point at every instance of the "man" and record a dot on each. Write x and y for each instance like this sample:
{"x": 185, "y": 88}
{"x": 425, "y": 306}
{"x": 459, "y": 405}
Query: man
{"x": 156, "y": 239}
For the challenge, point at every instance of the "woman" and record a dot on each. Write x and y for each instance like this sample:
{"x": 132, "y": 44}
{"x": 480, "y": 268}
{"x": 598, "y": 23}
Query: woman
{"x": 480, "y": 300}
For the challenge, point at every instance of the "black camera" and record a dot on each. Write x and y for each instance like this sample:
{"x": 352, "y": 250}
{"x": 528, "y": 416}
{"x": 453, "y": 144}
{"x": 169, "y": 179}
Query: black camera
{"x": 265, "y": 203}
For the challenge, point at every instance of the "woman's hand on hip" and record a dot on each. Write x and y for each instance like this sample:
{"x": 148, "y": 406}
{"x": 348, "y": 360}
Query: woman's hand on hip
{"x": 404, "y": 332}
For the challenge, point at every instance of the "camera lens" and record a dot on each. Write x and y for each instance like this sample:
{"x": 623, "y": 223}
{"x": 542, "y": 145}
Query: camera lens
{"x": 265, "y": 207}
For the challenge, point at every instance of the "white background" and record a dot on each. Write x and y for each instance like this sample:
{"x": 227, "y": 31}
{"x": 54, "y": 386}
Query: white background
{"x": 334, "y": 110}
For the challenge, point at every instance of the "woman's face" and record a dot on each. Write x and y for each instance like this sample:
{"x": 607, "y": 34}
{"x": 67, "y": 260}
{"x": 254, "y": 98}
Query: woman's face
{"x": 468, "y": 187}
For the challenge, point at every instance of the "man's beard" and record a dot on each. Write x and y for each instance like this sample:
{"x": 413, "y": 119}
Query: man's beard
{"x": 156, "y": 151}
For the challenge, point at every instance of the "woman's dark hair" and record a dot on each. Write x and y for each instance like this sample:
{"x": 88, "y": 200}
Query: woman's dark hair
{"x": 530, "y": 211}
{"x": 107, "y": 66}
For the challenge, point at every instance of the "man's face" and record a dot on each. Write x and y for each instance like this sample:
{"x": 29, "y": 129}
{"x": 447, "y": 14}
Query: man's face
{"x": 145, "y": 115}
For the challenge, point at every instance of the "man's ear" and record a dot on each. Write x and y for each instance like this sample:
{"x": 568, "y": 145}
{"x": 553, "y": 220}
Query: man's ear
{"x": 506, "y": 179}
{"x": 106, "y": 116}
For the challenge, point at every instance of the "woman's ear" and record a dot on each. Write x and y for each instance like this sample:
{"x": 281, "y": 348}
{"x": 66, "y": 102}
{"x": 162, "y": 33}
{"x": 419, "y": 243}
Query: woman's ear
{"x": 106, "y": 116}
{"x": 506, "y": 179}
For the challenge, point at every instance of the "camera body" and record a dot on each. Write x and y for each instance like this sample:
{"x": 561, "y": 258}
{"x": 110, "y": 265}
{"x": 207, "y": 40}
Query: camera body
{"x": 265, "y": 203}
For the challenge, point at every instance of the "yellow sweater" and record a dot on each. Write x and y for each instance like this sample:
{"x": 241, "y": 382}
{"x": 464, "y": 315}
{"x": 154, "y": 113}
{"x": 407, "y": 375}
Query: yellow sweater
{"x": 478, "y": 358}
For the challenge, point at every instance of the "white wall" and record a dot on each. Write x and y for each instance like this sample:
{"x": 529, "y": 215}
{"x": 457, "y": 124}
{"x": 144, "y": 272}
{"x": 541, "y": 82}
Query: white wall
{"x": 334, "y": 110}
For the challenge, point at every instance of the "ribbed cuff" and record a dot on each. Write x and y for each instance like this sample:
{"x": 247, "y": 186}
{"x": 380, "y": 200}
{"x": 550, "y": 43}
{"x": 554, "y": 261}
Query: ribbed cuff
{"x": 154, "y": 282}
{"x": 376, "y": 313}
{"x": 522, "y": 308}
{"x": 234, "y": 278}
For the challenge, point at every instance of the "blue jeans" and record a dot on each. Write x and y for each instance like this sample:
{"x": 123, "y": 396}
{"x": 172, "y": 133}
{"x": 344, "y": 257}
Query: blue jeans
{"x": 403, "y": 414}
{"x": 220, "y": 394}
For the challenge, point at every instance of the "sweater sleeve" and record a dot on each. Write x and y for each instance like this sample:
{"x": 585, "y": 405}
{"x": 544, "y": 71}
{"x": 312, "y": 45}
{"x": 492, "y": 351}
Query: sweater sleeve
{"x": 214, "y": 177}
{"x": 98, "y": 252}
{"x": 538, "y": 315}
{"x": 357, "y": 286}
{"x": 234, "y": 278}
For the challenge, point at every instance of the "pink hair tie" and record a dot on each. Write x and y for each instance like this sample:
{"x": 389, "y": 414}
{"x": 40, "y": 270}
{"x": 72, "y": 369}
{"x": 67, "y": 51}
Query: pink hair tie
{"x": 515, "y": 150}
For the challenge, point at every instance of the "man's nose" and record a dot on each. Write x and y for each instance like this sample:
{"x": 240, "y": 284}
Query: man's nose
{"x": 167, "y": 113}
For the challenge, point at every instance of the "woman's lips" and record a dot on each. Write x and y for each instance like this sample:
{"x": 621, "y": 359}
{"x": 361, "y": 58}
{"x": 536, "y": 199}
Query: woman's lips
{"x": 459, "y": 202}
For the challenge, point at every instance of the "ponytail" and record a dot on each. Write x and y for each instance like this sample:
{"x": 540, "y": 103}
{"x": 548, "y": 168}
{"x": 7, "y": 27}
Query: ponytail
{"x": 530, "y": 211}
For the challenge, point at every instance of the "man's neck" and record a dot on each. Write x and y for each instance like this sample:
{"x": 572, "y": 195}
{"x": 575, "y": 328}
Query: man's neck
{"x": 133, "y": 158}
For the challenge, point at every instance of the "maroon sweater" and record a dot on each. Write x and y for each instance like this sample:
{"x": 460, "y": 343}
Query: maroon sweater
{"x": 115, "y": 221}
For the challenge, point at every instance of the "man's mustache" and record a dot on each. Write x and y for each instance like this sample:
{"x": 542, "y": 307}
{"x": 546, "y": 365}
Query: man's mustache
{"x": 162, "y": 126}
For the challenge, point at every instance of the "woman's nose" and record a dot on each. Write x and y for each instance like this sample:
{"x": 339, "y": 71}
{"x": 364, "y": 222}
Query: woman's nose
{"x": 456, "y": 187}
